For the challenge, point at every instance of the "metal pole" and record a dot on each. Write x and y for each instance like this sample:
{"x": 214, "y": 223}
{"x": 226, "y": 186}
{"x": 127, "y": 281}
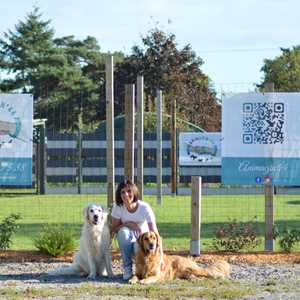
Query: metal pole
{"x": 79, "y": 158}
{"x": 159, "y": 147}
{"x": 42, "y": 160}
{"x": 173, "y": 150}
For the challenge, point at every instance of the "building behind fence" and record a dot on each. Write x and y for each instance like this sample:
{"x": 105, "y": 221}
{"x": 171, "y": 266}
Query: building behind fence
{"x": 65, "y": 164}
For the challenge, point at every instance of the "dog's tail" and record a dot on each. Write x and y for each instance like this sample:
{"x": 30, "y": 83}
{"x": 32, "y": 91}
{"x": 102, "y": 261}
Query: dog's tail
{"x": 71, "y": 270}
{"x": 219, "y": 269}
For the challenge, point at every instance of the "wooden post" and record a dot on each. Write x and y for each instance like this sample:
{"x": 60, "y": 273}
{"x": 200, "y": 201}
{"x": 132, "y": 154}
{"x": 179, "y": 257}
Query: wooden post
{"x": 129, "y": 132}
{"x": 110, "y": 149}
{"x": 159, "y": 146}
{"x": 195, "y": 215}
{"x": 269, "y": 216}
{"x": 173, "y": 150}
{"x": 269, "y": 207}
{"x": 140, "y": 135}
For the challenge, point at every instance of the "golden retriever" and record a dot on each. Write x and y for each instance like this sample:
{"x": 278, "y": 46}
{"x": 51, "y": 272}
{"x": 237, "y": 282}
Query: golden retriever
{"x": 153, "y": 266}
{"x": 94, "y": 256}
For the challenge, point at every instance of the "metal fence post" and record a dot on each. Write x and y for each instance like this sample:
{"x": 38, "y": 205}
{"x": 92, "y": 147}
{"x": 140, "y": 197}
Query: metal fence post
{"x": 42, "y": 165}
{"x": 159, "y": 146}
{"x": 79, "y": 158}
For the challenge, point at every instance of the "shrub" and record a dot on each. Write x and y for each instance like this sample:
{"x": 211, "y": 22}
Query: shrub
{"x": 236, "y": 236}
{"x": 7, "y": 228}
{"x": 55, "y": 240}
{"x": 287, "y": 238}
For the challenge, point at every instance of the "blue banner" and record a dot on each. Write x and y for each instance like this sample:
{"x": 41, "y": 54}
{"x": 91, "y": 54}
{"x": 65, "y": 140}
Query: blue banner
{"x": 15, "y": 171}
{"x": 280, "y": 171}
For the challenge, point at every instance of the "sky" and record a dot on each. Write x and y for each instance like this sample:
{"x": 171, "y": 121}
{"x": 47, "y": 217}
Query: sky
{"x": 233, "y": 37}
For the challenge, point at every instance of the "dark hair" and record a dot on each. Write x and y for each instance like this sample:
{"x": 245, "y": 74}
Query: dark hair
{"x": 122, "y": 185}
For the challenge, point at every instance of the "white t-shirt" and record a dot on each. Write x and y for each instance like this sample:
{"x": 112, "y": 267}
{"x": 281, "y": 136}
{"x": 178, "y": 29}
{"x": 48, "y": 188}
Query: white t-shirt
{"x": 142, "y": 216}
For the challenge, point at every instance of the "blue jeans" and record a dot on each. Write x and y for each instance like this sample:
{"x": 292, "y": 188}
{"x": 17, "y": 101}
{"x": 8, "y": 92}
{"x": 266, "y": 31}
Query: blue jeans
{"x": 126, "y": 240}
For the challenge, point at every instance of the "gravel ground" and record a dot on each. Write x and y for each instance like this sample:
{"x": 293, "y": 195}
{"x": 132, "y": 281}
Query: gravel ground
{"x": 277, "y": 281}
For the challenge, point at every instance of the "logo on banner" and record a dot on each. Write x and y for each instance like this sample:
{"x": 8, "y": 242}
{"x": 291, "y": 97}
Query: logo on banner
{"x": 202, "y": 149}
{"x": 10, "y": 124}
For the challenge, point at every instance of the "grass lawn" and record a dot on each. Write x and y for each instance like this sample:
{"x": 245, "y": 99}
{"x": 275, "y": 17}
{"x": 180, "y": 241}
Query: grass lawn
{"x": 173, "y": 216}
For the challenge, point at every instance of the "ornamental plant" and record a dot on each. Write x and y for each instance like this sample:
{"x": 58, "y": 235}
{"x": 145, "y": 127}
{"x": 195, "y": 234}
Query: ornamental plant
{"x": 55, "y": 240}
{"x": 7, "y": 228}
{"x": 236, "y": 236}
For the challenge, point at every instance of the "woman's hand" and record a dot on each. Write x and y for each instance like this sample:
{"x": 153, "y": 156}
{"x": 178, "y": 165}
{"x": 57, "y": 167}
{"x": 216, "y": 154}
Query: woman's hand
{"x": 133, "y": 226}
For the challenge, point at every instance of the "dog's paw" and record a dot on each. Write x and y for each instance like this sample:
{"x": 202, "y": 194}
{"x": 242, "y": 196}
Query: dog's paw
{"x": 144, "y": 281}
{"x": 133, "y": 280}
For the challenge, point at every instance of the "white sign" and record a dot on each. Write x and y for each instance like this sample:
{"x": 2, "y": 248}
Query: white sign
{"x": 199, "y": 149}
{"x": 261, "y": 138}
{"x": 16, "y": 114}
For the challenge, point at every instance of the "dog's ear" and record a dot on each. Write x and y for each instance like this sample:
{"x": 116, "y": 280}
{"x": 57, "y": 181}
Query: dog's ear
{"x": 140, "y": 239}
{"x": 158, "y": 240}
{"x": 140, "y": 242}
{"x": 104, "y": 209}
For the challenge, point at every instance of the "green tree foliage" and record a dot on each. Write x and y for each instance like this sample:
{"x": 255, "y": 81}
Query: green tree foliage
{"x": 283, "y": 71}
{"x": 65, "y": 75}
{"x": 177, "y": 72}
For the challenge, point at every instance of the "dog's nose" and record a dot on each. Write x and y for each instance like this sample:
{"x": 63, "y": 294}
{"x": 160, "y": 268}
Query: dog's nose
{"x": 96, "y": 217}
{"x": 151, "y": 246}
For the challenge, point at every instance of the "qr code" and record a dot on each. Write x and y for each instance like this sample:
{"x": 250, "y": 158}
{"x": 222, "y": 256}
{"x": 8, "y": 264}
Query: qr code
{"x": 263, "y": 123}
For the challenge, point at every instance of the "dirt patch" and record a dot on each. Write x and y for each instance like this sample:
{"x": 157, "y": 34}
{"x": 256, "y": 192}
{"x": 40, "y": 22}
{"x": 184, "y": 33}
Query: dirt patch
{"x": 205, "y": 257}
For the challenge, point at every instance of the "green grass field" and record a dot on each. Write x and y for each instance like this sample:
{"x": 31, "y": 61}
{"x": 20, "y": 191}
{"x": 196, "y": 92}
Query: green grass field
{"x": 173, "y": 216}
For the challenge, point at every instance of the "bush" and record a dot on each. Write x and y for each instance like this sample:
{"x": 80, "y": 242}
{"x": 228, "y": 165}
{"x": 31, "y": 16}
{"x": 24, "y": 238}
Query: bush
{"x": 287, "y": 238}
{"x": 55, "y": 240}
{"x": 7, "y": 228}
{"x": 236, "y": 236}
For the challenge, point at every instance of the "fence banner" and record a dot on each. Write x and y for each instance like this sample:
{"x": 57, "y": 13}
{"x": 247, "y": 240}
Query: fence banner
{"x": 16, "y": 114}
{"x": 199, "y": 149}
{"x": 261, "y": 138}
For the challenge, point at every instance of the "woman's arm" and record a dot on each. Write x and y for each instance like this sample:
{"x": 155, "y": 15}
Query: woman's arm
{"x": 117, "y": 224}
{"x": 152, "y": 227}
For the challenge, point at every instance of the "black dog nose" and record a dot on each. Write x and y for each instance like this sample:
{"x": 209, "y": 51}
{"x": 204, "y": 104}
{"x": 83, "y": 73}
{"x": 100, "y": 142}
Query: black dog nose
{"x": 151, "y": 246}
{"x": 95, "y": 217}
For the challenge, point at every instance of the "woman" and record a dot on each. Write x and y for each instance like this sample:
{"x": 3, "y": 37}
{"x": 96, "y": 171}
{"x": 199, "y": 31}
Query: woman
{"x": 130, "y": 218}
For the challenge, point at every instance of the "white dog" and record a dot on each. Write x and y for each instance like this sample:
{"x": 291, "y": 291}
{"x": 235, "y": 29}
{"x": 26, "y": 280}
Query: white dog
{"x": 94, "y": 256}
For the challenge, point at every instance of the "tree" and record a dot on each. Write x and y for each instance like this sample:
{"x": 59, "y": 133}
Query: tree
{"x": 283, "y": 71}
{"x": 65, "y": 75}
{"x": 177, "y": 72}
{"x": 23, "y": 51}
